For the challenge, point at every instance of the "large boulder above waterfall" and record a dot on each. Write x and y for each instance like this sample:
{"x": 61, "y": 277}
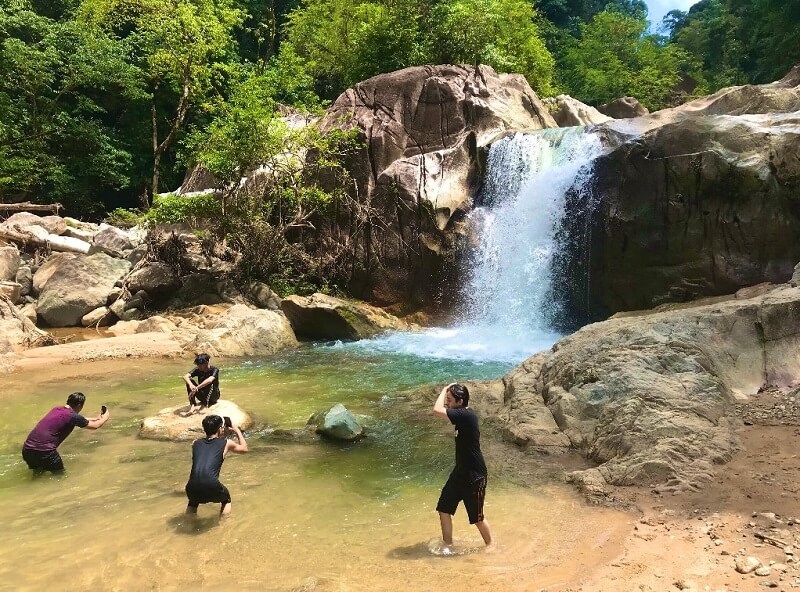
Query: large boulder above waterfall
{"x": 623, "y": 108}
{"x": 324, "y": 317}
{"x": 650, "y": 396}
{"x": 175, "y": 425}
{"x": 421, "y": 129}
{"x": 569, "y": 112}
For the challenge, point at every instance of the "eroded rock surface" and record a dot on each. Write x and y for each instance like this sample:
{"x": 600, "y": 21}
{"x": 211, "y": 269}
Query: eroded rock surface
{"x": 324, "y": 317}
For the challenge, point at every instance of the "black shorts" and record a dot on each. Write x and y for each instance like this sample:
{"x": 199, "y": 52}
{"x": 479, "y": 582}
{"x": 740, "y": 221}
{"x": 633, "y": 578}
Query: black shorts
{"x": 206, "y": 396}
{"x": 207, "y": 493}
{"x": 458, "y": 488}
{"x": 43, "y": 461}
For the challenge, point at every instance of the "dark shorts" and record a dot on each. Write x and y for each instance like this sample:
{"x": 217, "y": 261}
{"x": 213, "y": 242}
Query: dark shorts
{"x": 43, "y": 461}
{"x": 207, "y": 493}
{"x": 205, "y": 396}
{"x": 458, "y": 489}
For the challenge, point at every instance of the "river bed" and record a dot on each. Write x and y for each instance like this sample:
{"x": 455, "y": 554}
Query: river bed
{"x": 318, "y": 516}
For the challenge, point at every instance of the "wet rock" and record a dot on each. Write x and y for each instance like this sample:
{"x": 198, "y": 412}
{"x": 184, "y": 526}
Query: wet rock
{"x": 174, "y": 425}
{"x": 337, "y": 423}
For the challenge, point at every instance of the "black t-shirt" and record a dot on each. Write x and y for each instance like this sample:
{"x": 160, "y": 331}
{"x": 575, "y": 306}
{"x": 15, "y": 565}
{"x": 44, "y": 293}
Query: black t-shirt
{"x": 200, "y": 376}
{"x": 469, "y": 459}
{"x": 207, "y": 458}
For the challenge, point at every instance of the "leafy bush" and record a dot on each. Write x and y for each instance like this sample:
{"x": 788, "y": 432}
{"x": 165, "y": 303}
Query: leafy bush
{"x": 122, "y": 218}
{"x": 169, "y": 208}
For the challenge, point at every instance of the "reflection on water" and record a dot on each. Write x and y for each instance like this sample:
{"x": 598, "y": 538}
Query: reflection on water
{"x": 305, "y": 516}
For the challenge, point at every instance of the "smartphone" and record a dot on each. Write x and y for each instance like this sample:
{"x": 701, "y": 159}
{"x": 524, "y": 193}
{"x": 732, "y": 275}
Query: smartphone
{"x": 227, "y": 420}
{"x": 103, "y": 409}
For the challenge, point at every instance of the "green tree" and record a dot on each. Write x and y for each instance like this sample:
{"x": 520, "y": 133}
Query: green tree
{"x": 500, "y": 33}
{"x": 615, "y": 56}
{"x": 181, "y": 48}
{"x": 61, "y": 87}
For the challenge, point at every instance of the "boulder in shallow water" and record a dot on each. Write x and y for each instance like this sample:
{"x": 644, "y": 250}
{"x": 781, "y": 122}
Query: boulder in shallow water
{"x": 174, "y": 425}
{"x": 337, "y": 423}
{"x": 324, "y": 317}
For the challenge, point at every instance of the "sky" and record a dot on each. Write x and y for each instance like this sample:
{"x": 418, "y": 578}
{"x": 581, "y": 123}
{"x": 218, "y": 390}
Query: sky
{"x": 656, "y": 9}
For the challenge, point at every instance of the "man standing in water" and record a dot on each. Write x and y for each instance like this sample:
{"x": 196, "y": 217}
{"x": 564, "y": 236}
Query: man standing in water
{"x": 40, "y": 450}
{"x": 467, "y": 481}
{"x": 207, "y": 456}
{"x": 205, "y": 390}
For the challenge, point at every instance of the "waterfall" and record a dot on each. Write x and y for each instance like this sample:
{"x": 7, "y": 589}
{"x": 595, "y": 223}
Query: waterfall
{"x": 513, "y": 267}
{"x": 511, "y": 301}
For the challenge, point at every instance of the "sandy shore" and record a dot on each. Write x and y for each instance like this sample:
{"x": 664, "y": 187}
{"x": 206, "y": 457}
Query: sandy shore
{"x": 691, "y": 541}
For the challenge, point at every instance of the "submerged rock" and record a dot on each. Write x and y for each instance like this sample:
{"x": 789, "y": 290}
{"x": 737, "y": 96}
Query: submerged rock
{"x": 174, "y": 425}
{"x": 337, "y": 423}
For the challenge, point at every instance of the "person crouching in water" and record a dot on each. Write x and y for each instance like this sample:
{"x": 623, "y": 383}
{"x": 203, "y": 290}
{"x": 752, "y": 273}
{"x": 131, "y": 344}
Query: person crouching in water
{"x": 467, "y": 481}
{"x": 202, "y": 384}
{"x": 208, "y": 454}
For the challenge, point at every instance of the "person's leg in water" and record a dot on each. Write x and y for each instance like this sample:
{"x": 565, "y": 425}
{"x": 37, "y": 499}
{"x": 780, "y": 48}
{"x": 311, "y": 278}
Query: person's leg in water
{"x": 225, "y": 510}
{"x": 486, "y": 532}
{"x": 191, "y": 509}
{"x": 446, "y": 521}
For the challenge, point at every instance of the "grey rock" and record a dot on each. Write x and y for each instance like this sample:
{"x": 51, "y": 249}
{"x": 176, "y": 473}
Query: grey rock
{"x": 77, "y": 286}
{"x": 623, "y": 108}
{"x": 262, "y": 296}
{"x": 112, "y": 241}
{"x": 337, "y": 423}
{"x": 99, "y": 317}
{"x": 570, "y": 112}
{"x": 10, "y": 290}
{"x": 157, "y": 279}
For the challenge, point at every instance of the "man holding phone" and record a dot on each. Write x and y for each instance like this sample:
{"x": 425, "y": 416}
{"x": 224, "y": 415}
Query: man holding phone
{"x": 208, "y": 454}
{"x": 40, "y": 450}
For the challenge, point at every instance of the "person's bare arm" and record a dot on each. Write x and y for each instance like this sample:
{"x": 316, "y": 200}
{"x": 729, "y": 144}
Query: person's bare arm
{"x": 97, "y": 422}
{"x": 239, "y": 447}
{"x": 187, "y": 378}
{"x": 438, "y": 407}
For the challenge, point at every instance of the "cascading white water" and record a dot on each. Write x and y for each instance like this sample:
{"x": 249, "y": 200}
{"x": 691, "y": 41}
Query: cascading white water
{"x": 508, "y": 302}
{"x": 511, "y": 270}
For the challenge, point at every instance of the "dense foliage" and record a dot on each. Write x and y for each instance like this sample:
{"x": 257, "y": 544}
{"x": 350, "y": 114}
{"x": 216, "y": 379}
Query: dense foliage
{"x": 104, "y": 103}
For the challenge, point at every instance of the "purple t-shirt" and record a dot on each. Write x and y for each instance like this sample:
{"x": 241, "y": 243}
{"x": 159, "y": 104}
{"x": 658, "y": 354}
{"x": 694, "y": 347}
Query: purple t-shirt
{"x": 53, "y": 429}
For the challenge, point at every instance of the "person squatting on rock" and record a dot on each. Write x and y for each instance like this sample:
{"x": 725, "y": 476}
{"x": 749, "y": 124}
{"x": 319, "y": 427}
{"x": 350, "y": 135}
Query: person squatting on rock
{"x": 467, "y": 481}
{"x": 208, "y": 454}
{"x": 40, "y": 450}
{"x": 202, "y": 384}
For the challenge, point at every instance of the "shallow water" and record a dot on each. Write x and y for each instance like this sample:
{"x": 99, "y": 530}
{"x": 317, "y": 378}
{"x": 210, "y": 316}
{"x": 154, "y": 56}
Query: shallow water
{"x": 305, "y": 516}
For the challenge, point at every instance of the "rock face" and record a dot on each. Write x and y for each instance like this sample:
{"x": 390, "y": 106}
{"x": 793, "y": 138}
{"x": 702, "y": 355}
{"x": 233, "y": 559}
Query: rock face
{"x": 325, "y": 317}
{"x": 174, "y": 425}
{"x": 337, "y": 423}
{"x": 569, "y": 112}
{"x": 9, "y": 263}
{"x": 421, "y": 130}
{"x": 623, "y": 108}
{"x": 226, "y": 330}
{"x": 695, "y": 201}
{"x": 78, "y": 284}
{"x": 650, "y": 396}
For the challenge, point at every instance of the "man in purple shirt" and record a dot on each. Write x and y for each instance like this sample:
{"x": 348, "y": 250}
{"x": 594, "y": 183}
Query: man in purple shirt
{"x": 40, "y": 450}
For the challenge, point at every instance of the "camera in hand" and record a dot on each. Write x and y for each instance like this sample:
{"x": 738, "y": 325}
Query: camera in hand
{"x": 227, "y": 420}
{"x": 103, "y": 409}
